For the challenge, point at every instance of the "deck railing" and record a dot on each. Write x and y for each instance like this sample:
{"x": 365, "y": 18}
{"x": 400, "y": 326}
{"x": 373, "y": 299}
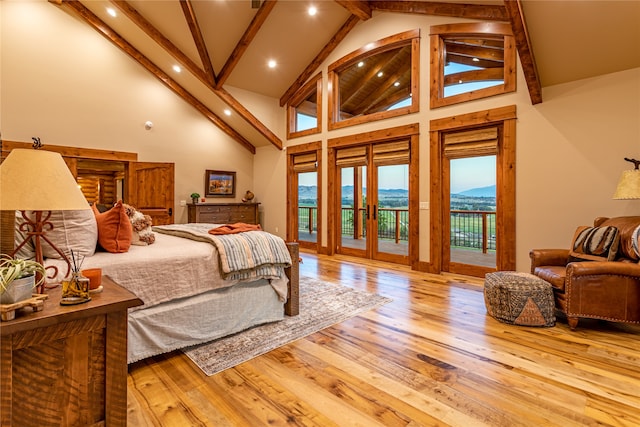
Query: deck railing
{"x": 469, "y": 229}
{"x": 473, "y": 230}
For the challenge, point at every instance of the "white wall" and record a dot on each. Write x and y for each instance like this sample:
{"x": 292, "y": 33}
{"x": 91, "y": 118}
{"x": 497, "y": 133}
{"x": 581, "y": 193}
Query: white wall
{"x": 63, "y": 82}
{"x": 570, "y": 148}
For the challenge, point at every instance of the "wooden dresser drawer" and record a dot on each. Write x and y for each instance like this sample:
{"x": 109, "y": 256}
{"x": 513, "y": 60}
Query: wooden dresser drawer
{"x": 224, "y": 213}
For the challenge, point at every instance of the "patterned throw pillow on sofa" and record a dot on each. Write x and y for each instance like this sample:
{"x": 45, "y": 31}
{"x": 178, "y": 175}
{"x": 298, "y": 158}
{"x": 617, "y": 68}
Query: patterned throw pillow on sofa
{"x": 594, "y": 244}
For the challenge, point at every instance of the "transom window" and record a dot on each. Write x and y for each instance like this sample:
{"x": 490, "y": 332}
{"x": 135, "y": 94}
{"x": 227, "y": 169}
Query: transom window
{"x": 305, "y": 109}
{"x": 471, "y": 61}
{"x": 377, "y": 81}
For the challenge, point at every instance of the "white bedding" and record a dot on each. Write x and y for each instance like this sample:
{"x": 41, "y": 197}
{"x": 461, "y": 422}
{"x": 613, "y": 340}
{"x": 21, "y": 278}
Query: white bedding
{"x": 171, "y": 268}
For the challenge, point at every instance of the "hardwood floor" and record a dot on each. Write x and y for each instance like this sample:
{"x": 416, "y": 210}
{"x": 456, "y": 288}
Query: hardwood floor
{"x": 431, "y": 357}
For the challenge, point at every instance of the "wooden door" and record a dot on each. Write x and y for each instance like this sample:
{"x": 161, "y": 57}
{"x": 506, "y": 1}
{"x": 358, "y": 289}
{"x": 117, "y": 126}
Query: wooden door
{"x": 150, "y": 188}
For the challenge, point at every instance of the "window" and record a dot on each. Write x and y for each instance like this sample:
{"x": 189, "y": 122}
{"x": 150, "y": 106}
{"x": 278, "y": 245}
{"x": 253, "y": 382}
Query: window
{"x": 304, "y": 110}
{"x": 471, "y": 61}
{"x": 375, "y": 82}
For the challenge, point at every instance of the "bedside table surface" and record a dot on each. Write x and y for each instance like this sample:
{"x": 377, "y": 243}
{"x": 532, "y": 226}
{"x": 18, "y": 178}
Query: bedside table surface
{"x": 112, "y": 298}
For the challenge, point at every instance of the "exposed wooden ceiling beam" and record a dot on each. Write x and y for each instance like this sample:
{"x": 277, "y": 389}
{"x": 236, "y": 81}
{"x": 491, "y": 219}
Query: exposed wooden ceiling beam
{"x": 196, "y": 34}
{"x": 198, "y": 72}
{"x": 457, "y": 10}
{"x": 523, "y": 43}
{"x": 256, "y": 23}
{"x": 319, "y": 59}
{"x": 100, "y": 26}
{"x": 360, "y": 8}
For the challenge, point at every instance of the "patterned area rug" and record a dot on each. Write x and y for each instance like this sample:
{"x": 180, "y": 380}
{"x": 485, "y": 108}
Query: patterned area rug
{"x": 322, "y": 304}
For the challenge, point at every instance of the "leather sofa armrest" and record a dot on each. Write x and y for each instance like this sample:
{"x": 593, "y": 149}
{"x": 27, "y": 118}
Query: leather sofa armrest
{"x": 539, "y": 257}
{"x": 605, "y": 268}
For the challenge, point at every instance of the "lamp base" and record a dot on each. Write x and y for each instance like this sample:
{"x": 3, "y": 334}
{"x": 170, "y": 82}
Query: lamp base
{"x": 36, "y": 230}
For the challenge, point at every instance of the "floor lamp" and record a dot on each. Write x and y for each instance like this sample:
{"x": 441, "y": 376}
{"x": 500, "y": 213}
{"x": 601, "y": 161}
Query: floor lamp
{"x": 629, "y": 184}
{"x": 38, "y": 181}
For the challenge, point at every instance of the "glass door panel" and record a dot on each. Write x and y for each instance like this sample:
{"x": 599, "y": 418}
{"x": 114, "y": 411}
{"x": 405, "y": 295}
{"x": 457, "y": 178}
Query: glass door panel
{"x": 353, "y": 210}
{"x": 308, "y": 207}
{"x": 391, "y": 213}
{"x": 472, "y": 212}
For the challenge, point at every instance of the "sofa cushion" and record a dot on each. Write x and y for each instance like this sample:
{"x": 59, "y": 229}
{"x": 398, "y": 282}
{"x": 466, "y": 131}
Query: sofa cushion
{"x": 594, "y": 244}
{"x": 625, "y": 225}
{"x": 553, "y": 274}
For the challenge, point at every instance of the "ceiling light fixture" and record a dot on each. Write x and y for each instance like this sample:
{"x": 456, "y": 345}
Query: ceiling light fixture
{"x": 227, "y": 111}
{"x": 111, "y": 11}
{"x": 312, "y": 10}
{"x": 177, "y": 68}
{"x": 396, "y": 84}
{"x": 475, "y": 60}
{"x": 380, "y": 74}
{"x": 272, "y": 63}
{"x": 360, "y": 64}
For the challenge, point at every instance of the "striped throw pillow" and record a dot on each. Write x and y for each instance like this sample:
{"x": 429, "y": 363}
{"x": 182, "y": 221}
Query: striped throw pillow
{"x": 595, "y": 244}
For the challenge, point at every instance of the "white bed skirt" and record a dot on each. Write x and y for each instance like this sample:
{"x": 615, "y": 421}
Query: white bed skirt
{"x": 201, "y": 318}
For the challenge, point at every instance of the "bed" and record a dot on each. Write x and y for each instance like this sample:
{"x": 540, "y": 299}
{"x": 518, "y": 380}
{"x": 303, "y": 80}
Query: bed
{"x": 188, "y": 295}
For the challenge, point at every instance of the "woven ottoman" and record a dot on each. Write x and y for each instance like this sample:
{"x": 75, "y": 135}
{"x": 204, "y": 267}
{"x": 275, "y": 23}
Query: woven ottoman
{"x": 519, "y": 299}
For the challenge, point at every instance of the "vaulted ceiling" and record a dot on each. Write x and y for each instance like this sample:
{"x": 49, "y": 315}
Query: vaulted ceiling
{"x": 223, "y": 46}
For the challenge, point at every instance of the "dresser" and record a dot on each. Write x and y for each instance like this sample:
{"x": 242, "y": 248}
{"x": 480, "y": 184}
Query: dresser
{"x": 224, "y": 213}
{"x": 67, "y": 365}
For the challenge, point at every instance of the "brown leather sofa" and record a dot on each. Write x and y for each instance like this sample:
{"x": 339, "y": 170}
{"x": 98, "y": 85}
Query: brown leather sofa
{"x": 607, "y": 290}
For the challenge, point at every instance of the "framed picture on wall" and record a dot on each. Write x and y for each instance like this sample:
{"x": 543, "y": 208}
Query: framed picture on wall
{"x": 219, "y": 184}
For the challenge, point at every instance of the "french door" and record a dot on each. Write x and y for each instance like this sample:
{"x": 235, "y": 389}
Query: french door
{"x": 373, "y": 193}
{"x": 473, "y": 226}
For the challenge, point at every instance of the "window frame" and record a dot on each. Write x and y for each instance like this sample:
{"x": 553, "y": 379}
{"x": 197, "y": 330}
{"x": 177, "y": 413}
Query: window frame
{"x": 303, "y": 93}
{"x": 479, "y": 29}
{"x": 411, "y": 37}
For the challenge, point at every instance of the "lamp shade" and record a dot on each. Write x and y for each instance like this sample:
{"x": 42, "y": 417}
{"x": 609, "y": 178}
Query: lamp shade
{"x": 629, "y": 185}
{"x": 38, "y": 180}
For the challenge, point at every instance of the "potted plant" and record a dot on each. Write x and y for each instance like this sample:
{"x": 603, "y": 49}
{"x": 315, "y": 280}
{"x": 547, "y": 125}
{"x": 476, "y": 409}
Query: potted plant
{"x": 18, "y": 278}
{"x": 195, "y": 197}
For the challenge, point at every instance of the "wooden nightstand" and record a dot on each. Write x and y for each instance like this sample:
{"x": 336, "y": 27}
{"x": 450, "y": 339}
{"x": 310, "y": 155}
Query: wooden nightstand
{"x": 67, "y": 365}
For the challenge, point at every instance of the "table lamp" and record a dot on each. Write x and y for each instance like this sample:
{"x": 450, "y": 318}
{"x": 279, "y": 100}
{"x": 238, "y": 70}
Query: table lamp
{"x": 38, "y": 181}
{"x": 629, "y": 184}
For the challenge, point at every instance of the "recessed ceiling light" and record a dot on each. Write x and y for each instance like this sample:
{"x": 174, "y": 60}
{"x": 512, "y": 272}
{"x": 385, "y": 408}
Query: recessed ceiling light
{"x": 272, "y": 63}
{"x": 475, "y": 60}
{"x": 111, "y": 11}
{"x": 177, "y": 68}
{"x": 227, "y": 111}
{"x": 360, "y": 64}
{"x": 396, "y": 84}
{"x": 380, "y": 74}
{"x": 312, "y": 10}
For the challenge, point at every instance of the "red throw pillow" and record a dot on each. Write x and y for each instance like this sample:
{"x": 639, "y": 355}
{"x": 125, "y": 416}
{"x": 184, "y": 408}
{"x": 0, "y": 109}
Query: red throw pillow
{"x": 114, "y": 228}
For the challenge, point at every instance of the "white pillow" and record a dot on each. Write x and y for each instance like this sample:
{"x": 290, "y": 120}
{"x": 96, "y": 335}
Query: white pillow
{"x": 75, "y": 230}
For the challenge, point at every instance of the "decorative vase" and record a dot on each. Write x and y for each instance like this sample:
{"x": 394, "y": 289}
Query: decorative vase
{"x": 194, "y": 200}
{"x": 18, "y": 290}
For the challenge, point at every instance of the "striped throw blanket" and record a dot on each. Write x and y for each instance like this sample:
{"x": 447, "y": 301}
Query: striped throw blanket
{"x": 243, "y": 256}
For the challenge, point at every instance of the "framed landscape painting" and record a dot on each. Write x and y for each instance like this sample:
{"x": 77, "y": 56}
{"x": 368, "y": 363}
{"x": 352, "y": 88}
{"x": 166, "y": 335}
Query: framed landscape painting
{"x": 219, "y": 184}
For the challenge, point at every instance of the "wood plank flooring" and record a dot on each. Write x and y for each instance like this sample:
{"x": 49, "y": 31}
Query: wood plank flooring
{"x": 432, "y": 357}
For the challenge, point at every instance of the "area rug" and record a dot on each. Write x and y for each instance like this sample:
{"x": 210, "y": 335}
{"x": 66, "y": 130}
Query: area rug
{"x": 322, "y": 304}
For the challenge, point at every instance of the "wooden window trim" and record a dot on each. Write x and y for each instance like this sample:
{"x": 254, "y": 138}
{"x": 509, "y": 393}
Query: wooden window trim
{"x": 371, "y": 49}
{"x": 437, "y": 98}
{"x": 314, "y": 84}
